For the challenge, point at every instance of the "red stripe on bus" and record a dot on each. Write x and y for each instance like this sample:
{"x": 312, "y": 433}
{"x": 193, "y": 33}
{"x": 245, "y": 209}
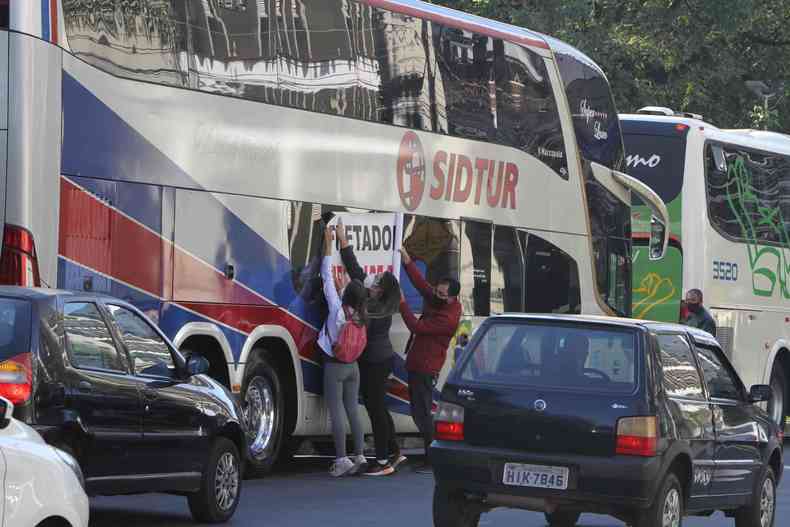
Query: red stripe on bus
{"x": 53, "y": 17}
{"x": 200, "y": 282}
{"x": 460, "y": 23}
{"x": 246, "y": 318}
{"x": 87, "y": 231}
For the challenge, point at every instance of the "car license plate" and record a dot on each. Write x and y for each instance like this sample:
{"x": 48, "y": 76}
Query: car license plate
{"x": 539, "y": 476}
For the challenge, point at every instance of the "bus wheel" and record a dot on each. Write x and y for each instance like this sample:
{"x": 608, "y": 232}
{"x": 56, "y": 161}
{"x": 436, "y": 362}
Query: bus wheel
{"x": 776, "y": 405}
{"x": 263, "y": 407}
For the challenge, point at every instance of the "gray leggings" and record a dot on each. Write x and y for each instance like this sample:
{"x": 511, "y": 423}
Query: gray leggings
{"x": 341, "y": 390}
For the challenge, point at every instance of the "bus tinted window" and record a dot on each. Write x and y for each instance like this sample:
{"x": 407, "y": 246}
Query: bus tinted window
{"x": 595, "y": 117}
{"x": 140, "y": 40}
{"x": 657, "y": 161}
{"x": 507, "y": 272}
{"x": 526, "y": 110}
{"x": 610, "y": 222}
{"x": 466, "y": 66}
{"x": 552, "y": 277}
{"x": 408, "y": 92}
{"x": 748, "y": 199}
{"x": 476, "y": 255}
{"x": 434, "y": 244}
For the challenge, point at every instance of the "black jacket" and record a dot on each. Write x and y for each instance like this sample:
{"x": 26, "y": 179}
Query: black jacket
{"x": 379, "y": 347}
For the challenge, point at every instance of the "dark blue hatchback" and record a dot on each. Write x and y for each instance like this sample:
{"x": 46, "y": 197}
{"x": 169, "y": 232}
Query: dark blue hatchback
{"x": 646, "y": 422}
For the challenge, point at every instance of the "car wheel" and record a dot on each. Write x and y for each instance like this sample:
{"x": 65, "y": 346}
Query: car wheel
{"x": 562, "y": 518}
{"x": 263, "y": 408}
{"x": 220, "y": 487}
{"x": 452, "y": 509}
{"x": 667, "y": 508}
{"x": 762, "y": 510}
{"x": 776, "y": 404}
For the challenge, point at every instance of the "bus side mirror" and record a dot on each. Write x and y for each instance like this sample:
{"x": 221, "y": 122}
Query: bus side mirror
{"x": 658, "y": 232}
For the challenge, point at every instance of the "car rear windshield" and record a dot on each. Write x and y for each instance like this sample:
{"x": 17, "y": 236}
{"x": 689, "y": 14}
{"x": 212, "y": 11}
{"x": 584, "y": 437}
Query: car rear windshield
{"x": 14, "y": 327}
{"x": 559, "y": 356}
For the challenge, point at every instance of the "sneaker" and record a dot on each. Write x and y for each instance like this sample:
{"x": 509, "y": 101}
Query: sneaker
{"x": 396, "y": 460}
{"x": 341, "y": 467}
{"x": 377, "y": 469}
{"x": 360, "y": 465}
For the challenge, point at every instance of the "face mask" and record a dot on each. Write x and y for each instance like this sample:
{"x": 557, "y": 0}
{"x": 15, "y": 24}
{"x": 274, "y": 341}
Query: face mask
{"x": 694, "y": 308}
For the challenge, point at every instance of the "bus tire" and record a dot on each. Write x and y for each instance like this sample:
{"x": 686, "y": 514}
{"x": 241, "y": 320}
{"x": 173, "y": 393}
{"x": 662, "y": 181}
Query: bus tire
{"x": 263, "y": 404}
{"x": 777, "y": 404}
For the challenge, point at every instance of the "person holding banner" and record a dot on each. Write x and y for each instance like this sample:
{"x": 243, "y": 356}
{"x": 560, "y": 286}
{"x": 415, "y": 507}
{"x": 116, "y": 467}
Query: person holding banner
{"x": 427, "y": 347}
{"x": 377, "y": 361}
{"x": 341, "y": 379}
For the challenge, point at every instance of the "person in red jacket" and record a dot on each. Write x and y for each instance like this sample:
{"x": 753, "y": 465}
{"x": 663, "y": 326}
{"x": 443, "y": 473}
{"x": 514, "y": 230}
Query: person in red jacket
{"x": 427, "y": 347}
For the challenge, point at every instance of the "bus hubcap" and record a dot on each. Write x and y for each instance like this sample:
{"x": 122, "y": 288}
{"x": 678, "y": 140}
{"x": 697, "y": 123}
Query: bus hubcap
{"x": 259, "y": 415}
{"x": 777, "y": 403}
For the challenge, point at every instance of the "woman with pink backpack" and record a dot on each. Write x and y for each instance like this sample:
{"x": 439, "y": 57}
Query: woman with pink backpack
{"x": 342, "y": 340}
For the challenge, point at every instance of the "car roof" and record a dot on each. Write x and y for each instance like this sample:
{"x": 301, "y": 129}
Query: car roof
{"x": 44, "y": 293}
{"x": 699, "y": 336}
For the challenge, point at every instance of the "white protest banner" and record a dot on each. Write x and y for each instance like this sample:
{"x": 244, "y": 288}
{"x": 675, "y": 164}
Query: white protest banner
{"x": 375, "y": 238}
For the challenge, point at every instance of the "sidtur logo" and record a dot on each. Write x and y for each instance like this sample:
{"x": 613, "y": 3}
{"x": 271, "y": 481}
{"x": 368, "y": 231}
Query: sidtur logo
{"x": 411, "y": 171}
{"x": 635, "y": 160}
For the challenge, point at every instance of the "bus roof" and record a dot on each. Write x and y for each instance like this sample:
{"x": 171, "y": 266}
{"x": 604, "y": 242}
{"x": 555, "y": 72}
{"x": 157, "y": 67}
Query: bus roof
{"x": 757, "y": 139}
{"x": 462, "y": 20}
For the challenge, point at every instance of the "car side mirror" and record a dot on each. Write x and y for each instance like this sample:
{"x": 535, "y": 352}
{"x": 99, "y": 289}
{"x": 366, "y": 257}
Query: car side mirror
{"x": 197, "y": 365}
{"x": 460, "y": 344}
{"x": 6, "y": 412}
{"x": 760, "y": 393}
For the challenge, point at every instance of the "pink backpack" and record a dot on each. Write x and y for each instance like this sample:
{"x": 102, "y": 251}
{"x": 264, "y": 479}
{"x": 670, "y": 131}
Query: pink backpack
{"x": 351, "y": 341}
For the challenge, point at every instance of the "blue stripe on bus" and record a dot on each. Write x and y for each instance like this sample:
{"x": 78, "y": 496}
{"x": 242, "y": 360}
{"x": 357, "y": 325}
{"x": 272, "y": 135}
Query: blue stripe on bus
{"x": 45, "y": 24}
{"x": 99, "y": 144}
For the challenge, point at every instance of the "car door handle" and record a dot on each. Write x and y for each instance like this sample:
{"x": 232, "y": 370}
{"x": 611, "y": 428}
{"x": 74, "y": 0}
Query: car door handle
{"x": 85, "y": 386}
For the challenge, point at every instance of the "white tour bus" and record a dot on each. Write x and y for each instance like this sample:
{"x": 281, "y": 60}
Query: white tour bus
{"x": 727, "y": 193}
{"x": 178, "y": 154}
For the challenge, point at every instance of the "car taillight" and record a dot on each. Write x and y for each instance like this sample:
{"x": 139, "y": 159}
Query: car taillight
{"x": 19, "y": 263}
{"x": 16, "y": 378}
{"x": 637, "y": 436}
{"x": 449, "y": 422}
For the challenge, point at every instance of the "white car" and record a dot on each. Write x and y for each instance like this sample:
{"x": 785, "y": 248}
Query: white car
{"x": 41, "y": 485}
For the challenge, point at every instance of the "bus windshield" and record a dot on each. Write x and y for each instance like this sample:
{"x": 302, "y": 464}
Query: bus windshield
{"x": 657, "y": 161}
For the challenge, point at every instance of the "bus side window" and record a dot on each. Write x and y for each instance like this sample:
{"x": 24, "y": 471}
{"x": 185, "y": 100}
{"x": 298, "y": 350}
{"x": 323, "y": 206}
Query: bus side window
{"x": 552, "y": 277}
{"x": 476, "y": 253}
{"x": 433, "y": 244}
{"x": 466, "y": 69}
{"x": 527, "y": 116}
{"x": 507, "y": 273}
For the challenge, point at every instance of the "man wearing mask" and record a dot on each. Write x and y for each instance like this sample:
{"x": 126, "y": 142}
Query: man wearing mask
{"x": 427, "y": 347}
{"x": 698, "y": 316}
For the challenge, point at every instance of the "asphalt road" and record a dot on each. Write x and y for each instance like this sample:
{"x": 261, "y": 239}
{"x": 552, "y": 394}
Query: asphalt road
{"x": 303, "y": 495}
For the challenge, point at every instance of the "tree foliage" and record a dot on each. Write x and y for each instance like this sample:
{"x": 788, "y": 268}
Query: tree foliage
{"x": 689, "y": 55}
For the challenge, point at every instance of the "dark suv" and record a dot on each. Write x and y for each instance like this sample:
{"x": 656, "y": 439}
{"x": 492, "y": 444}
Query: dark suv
{"x": 646, "y": 422}
{"x": 97, "y": 379}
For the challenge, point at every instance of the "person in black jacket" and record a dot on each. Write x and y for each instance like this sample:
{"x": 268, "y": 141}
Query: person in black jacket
{"x": 376, "y": 362}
